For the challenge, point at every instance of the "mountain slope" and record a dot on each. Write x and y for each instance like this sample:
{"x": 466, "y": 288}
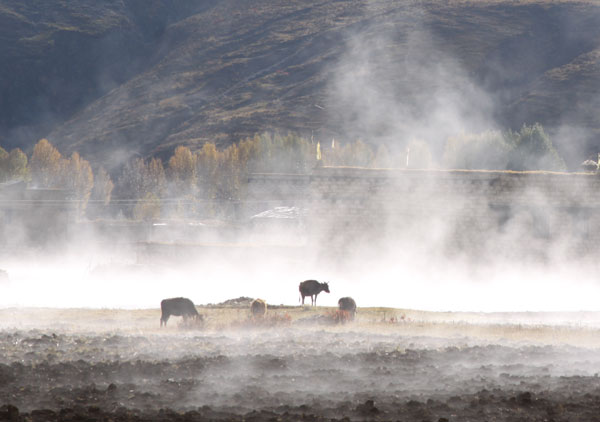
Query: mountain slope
{"x": 59, "y": 56}
{"x": 383, "y": 71}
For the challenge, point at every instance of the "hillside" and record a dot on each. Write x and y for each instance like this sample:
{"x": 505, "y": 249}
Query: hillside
{"x": 128, "y": 78}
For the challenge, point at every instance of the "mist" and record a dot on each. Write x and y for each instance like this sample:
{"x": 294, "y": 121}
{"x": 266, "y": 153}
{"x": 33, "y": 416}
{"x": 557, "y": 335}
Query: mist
{"x": 405, "y": 274}
{"x": 399, "y": 81}
{"x": 408, "y": 261}
{"x": 476, "y": 289}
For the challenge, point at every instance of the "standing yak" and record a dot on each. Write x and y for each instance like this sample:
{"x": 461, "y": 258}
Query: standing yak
{"x": 347, "y": 304}
{"x": 177, "y": 306}
{"x": 312, "y": 288}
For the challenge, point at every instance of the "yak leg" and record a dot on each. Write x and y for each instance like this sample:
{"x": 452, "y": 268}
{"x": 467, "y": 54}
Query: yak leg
{"x": 164, "y": 320}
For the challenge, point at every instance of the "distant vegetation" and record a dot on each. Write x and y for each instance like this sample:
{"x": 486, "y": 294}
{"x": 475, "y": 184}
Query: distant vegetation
{"x": 528, "y": 149}
{"x": 194, "y": 183}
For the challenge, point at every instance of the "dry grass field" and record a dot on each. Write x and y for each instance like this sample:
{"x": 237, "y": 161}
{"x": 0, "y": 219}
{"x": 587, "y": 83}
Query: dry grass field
{"x": 297, "y": 363}
{"x": 570, "y": 328}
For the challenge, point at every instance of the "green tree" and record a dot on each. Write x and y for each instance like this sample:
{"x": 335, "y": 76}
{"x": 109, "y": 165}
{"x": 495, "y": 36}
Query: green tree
{"x": 419, "y": 155}
{"x": 293, "y": 154}
{"x": 532, "y": 149}
{"x": 487, "y": 150}
{"x": 382, "y": 158}
{"x": 355, "y": 154}
{"x": 333, "y": 156}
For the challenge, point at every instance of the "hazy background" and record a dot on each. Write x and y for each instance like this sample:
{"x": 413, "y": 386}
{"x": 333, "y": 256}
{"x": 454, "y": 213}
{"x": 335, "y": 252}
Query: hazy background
{"x": 405, "y": 273}
{"x": 389, "y": 74}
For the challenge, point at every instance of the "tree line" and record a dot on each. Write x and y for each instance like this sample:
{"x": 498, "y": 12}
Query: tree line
{"x": 192, "y": 183}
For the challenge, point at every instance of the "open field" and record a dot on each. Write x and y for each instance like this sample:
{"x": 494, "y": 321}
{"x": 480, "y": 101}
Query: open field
{"x": 389, "y": 364}
{"x": 542, "y": 328}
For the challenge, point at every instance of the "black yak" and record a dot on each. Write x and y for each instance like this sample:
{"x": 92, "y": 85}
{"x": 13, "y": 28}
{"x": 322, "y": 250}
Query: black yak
{"x": 178, "y": 306}
{"x": 258, "y": 308}
{"x": 312, "y": 288}
{"x": 347, "y": 304}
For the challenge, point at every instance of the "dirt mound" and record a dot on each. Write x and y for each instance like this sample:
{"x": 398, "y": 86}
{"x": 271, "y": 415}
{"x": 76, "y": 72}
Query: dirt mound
{"x": 240, "y": 302}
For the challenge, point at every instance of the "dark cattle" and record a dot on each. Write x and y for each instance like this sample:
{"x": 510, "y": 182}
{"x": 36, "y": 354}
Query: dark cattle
{"x": 258, "y": 308}
{"x": 312, "y": 288}
{"x": 347, "y": 304}
{"x": 177, "y": 306}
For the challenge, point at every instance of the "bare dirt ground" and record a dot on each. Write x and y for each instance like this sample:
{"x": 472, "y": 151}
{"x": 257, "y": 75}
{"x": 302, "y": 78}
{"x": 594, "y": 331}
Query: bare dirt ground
{"x": 102, "y": 364}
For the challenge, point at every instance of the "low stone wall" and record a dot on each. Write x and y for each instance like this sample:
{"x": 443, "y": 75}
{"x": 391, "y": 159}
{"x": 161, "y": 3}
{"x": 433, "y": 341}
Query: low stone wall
{"x": 470, "y": 205}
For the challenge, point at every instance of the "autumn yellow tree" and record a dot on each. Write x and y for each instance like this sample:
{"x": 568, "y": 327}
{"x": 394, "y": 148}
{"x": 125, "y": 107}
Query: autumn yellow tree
{"x": 46, "y": 165}
{"x": 139, "y": 178}
{"x": 355, "y": 154}
{"x": 147, "y": 208}
{"x": 130, "y": 183}
{"x": 207, "y": 166}
{"x": 228, "y": 182}
{"x": 140, "y": 181}
{"x": 101, "y": 192}
{"x": 181, "y": 172}
{"x": 276, "y": 153}
{"x": 4, "y": 174}
{"x": 103, "y": 187}
{"x": 249, "y": 152}
{"x": 155, "y": 179}
{"x": 79, "y": 179}
{"x": 17, "y": 164}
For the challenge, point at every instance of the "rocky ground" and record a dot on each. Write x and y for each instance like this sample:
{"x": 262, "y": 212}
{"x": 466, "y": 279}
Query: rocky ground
{"x": 119, "y": 365}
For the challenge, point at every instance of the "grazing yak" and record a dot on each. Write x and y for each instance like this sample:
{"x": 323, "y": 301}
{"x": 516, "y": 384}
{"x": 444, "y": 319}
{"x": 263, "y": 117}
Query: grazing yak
{"x": 312, "y": 288}
{"x": 258, "y": 308}
{"x": 347, "y": 304}
{"x": 178, "y": 306}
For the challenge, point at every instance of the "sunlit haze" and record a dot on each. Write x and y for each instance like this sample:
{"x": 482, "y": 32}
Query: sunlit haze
{"x": 101, "y": 280}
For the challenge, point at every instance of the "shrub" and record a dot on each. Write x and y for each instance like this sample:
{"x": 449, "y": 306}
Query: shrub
{"x": 487, "y": 150}
{"x": 339, "y": 317}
